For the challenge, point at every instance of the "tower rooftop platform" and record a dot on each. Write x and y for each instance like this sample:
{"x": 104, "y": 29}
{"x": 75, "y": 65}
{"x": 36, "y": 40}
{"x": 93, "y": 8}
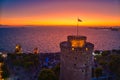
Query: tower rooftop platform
{"x": 76, "y": 42}
{"x": 76, "y": 37}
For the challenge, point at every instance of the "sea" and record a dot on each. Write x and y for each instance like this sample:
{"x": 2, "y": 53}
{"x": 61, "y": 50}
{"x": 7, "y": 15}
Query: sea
{"x": 47, "y": 39}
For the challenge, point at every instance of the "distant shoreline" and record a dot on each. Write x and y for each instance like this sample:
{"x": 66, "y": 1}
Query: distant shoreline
{"x": 27, "y": 26}
{"x": 107, "y": 28}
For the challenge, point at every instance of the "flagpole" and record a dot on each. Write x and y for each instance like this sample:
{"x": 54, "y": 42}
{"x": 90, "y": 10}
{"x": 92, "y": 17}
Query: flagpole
{"x": 79, "y": 20}
{"x": 77, "y": 27}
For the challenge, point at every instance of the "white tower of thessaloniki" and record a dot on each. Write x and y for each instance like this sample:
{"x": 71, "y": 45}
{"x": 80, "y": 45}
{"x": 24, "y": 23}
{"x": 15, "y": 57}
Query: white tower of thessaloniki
{"x": 76, "y": 59}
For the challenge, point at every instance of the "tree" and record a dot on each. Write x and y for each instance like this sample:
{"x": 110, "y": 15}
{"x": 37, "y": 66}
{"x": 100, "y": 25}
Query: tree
{"x": 105, "y": 53}
{"x": 27, "y": 61}
{"x": 114, "y": 65}
{"x": 1, "y": 59}
{"x": 56, "y": 69}
{"x": 6, "y": 72}
{"x": 47, "y": 74}
{"x": 98, "y": 72}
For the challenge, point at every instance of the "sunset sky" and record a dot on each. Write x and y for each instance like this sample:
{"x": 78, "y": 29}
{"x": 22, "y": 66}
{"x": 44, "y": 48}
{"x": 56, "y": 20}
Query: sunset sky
{"x": 60, "y": 12}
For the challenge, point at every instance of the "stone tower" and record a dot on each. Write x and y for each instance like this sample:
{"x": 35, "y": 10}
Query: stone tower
{"x": 76, "y": 59}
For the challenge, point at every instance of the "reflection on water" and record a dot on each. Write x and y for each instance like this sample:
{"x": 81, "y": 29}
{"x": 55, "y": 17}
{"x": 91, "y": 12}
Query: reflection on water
{"x": 47, "y": 39}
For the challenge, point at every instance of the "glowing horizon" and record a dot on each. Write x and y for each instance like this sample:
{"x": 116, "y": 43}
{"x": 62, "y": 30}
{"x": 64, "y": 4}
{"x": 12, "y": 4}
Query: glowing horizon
{"x": 93, "y": 13}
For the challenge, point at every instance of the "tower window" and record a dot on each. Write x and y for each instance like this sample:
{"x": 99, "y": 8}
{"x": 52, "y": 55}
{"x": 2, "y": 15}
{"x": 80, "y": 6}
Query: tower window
{"x": 75, "y": 65}
{"x": 86, "y": 49}
{"x": 73, "y": 49}
{"x": 87, "y": 57}
{"x": 82, "y": 70}
{"x": 75, "y": 58}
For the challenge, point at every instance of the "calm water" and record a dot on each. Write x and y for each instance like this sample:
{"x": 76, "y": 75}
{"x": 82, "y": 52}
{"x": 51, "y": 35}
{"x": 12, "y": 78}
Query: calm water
{"x": 47, "y": 39}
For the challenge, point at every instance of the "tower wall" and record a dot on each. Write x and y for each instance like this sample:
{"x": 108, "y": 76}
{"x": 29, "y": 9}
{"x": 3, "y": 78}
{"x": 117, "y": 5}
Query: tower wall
{"x": 76, "y": 63}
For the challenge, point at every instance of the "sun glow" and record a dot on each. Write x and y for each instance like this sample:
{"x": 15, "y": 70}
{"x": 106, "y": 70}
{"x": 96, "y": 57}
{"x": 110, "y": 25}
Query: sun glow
{"x": 59, "y": 21}
{"x": 61, "y": 13}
